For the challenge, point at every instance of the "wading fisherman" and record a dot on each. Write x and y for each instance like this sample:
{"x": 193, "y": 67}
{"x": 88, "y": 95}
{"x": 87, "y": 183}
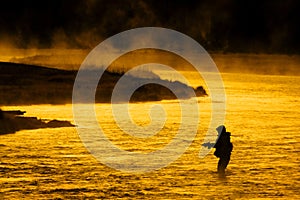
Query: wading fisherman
{"x": 223, "y": 148}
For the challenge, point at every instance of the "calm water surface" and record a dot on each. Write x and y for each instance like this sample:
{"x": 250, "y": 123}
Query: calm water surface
{"x": 262, "y": 114}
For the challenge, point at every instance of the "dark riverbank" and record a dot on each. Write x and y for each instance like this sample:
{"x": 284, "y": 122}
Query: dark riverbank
{"x": 22, "y": 84}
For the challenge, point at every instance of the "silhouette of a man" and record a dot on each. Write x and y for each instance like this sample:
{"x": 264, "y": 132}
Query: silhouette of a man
{"x": 223, "y": 148}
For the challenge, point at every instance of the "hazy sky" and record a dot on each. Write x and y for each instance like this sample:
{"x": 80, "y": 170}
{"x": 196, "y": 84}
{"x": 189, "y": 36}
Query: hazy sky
{"x": 224, "y": 26}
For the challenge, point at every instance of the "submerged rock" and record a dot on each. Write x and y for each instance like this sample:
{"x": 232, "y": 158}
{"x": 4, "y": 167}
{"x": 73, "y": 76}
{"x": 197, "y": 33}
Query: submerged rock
{"x": 200, "y": 91}
{"x": 11, "y": 122}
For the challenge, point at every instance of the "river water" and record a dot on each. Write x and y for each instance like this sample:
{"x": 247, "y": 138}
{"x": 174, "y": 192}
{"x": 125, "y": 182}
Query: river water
{"x": 262, "y": 115}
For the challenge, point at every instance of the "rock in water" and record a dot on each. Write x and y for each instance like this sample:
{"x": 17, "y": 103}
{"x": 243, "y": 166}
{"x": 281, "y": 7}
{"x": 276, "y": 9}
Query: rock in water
{"x": 10, "y": 122}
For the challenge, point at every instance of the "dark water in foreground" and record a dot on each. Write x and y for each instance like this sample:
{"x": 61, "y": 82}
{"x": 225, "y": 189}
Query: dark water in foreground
{"x": 262, "y": 114}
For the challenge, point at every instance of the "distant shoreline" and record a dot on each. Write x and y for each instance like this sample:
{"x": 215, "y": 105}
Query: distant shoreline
{"x": 227, "y": 62}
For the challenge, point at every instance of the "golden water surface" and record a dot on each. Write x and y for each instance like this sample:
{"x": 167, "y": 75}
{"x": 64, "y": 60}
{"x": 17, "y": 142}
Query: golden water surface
{"x": 262, "y": 114}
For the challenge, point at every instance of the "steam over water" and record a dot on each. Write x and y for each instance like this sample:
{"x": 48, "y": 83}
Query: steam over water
{"x": 262, "y": 115}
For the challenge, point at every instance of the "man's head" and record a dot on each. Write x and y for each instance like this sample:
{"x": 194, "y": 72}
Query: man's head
{"x": 221, "y": 129}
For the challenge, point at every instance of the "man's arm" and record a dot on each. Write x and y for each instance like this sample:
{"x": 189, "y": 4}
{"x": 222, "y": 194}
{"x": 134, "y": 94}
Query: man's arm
{"x": 209, "y": 145}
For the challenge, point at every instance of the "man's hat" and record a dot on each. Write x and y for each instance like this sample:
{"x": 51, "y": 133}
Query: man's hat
{"x": 221, "y": 129}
